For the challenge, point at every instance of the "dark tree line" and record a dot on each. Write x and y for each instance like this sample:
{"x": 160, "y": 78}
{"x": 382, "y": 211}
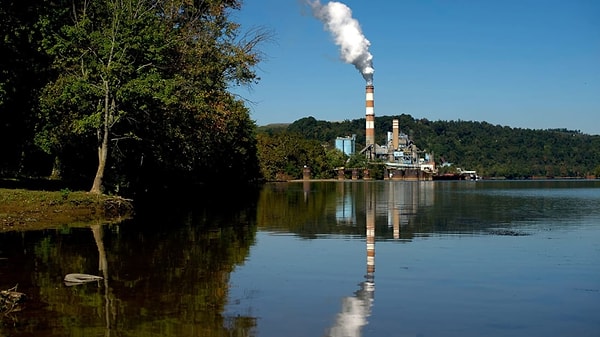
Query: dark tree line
{"x": 492, "y": 150}
{"x": 126, "y": 95}
{"x": 23, "y": 72}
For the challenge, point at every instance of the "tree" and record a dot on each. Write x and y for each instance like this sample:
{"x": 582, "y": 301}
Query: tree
{"x": 335, "y": 158}
{"x": 97, "y": 56}
{"x": 150, "y": 78}
{"x": 283, "y": 156}
{"x": 357, "y": 160}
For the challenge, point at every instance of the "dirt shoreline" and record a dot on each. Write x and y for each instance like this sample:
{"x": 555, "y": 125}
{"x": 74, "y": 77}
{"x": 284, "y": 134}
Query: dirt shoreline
{"x": 22, "y": 210}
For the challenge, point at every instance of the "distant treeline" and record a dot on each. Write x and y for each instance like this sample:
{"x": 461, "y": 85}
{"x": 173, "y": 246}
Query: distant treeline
{"x": 492, "y": 150}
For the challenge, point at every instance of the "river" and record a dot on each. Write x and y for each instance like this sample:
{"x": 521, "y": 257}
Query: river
{"x": 351, "y": 258}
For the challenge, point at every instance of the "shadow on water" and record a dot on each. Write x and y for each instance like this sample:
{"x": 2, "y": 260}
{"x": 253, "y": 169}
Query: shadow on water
{"x": 165, "y": 272}
{"x": 224, "y": 203}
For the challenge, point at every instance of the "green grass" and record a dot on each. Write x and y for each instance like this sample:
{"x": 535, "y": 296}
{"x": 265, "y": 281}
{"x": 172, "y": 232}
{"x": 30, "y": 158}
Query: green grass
{"x": 22, "y": 209}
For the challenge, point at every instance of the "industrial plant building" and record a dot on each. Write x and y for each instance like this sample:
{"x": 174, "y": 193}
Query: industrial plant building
{"x": 401, "y": 158}
{"x": 346, "y": 144}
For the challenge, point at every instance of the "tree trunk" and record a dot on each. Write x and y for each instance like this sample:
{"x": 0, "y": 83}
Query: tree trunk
{"x": 102, "y": 155}
{"x": 103, "y": 143}
{"x": 56, "y": 169}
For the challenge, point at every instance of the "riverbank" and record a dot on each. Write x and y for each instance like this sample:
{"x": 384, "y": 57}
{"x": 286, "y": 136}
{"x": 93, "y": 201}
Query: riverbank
{"x": 22, "y": 209}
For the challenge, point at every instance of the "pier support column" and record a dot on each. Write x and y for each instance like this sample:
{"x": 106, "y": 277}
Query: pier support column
{"x": 341, "y": 174}
{"x": 366, "y": 174}
{"x": 306, "y": 173}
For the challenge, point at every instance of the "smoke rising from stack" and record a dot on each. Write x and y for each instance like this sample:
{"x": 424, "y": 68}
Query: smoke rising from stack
{"x": 347, "y": 34}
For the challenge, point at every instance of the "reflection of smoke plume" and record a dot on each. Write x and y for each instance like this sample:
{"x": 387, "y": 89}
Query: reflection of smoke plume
{"x": 347, "y": 34}
{"x": 355, "y": 311}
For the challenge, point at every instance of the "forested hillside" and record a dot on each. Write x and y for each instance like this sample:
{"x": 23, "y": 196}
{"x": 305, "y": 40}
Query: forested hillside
{"x": 492, "y": 150}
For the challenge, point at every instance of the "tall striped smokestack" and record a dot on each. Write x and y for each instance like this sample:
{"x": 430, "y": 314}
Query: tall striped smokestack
{"x": 395, "y": 132}
{"x": 370, "y": 116}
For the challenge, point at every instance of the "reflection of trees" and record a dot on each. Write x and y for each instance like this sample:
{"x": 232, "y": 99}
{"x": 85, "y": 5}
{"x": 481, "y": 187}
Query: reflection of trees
{"x": 339, "y": 207}
{"x": 407, "y": 209}
{"x": 456, "y": 206}
{"x": 180, "y": 292}
{"x": 283, "y": 206}
{"x": 167, "y": 277}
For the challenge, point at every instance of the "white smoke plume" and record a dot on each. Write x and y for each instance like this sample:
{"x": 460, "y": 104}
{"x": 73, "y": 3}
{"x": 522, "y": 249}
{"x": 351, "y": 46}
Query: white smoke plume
{"x": 347, "y": 34}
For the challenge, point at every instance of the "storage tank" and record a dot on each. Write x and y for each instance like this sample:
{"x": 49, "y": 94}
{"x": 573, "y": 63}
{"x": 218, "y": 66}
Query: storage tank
{"x": 346, "y": 144}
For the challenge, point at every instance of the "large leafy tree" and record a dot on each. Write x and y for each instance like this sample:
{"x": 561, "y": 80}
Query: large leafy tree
{"x": 146, "y": 82}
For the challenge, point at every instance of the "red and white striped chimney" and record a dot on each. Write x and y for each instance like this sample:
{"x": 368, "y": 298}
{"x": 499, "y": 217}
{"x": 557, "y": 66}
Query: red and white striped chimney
{"x": 370, "y": 117}
{"x": 395, "y": 133}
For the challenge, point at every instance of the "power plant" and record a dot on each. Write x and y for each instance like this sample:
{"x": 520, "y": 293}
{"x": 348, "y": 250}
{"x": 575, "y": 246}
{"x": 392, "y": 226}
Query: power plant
{"x": 400, "y": 156}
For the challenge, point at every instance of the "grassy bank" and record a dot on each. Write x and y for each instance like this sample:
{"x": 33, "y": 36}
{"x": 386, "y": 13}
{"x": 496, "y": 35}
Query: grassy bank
{"x": 22, "y": 209}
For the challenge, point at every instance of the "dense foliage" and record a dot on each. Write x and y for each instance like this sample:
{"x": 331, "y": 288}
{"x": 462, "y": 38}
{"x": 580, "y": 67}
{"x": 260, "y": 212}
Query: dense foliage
{"x": 23, "y": 72}
{"x": 492, "y": 150}
{"x": 127, "y": 94}
{"x": 283, "y": 156}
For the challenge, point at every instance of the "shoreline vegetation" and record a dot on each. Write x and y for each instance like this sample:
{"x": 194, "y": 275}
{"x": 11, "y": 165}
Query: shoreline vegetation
{"x": 25, "y": 209}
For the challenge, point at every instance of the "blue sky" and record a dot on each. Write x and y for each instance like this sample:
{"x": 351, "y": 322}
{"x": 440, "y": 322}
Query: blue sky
{"x": 520, "y": 63}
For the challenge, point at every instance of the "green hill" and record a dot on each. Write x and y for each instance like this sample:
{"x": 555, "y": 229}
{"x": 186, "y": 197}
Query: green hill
{"x": 492, "y": 150}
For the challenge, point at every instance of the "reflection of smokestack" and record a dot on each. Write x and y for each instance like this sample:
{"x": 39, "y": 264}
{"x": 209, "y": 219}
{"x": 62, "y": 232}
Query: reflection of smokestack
{"x": 370, "y": 116}
{"x": 356, "y": 309}
{"x": 370, "y": 220}
{"x": 370, "y": 251}
{"x": 395, "y": 131}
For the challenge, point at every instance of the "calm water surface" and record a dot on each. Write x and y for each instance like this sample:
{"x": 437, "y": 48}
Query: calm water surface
{"x": 354, "y": 258}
